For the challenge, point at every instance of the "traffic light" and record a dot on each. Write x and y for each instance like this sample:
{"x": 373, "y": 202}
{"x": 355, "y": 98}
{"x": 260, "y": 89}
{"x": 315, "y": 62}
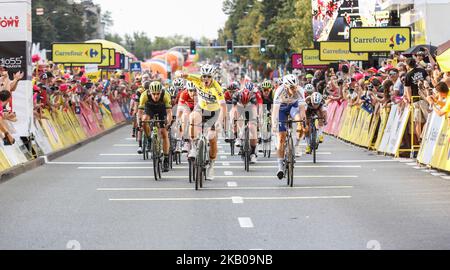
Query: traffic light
{"x": 193, "y": 47}
{"x": 262, "y": 45}
{"x": 229, "y": 47}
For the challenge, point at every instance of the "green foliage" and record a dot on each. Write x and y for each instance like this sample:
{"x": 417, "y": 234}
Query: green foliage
{"x": 285, "y": 23}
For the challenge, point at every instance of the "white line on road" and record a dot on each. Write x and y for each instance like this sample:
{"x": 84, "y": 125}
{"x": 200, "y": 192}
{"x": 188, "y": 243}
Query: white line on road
{"x": 237, "y": 199}
{"x": 232, "y": 176}
{"x": 96, "y": 163}
{"x": 229, "y": 198}
{"x": 445, "y": 177}
{"x": 232, "y": 184}
{"x": 245, "y": 222}
{"x": 122, "y": 154}
{"x": 228, "y": 173}
{"x": 223, "y": 157}
{"x": 411, "y": 164}
{"x": 438, "y": 174}
{"x": 125, "y": 145}
{"x": 130, "y": 139}
{"x": 224, "y": 188}
{"x": 226, "y": 163}
{"x": 219, "y": 167}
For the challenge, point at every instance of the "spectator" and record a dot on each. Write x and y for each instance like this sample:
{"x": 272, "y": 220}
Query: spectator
{"x": 442, "y": 94}
{"x": 5, "y": 96}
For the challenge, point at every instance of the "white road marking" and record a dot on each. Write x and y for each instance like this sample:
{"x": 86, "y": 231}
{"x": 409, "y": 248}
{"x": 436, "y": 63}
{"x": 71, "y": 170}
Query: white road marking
{"x": 232, "y": 176}
{"x": 226, "y": 163}
{"x": 245, "y": 222}
{"x": 122, "y": 154}
{"x": 237, "y": 199}
{"x": 232, "y": 184}
{"x": 229, "y": 198}
{"x": 417, "y": 167}
{"x": 218, "y": 167}
{"x": 411, "y": 164}
{"x": 445, "y": 177}
{"x": 438, "y": 174}
{"x": 95, "y": 163}
{"x": 404, "y": 159}
{"x": 224, "y": 188}
{"x": 227, "y": 173}
{"x": 223, "y": 157}
{"x": 125, "y": 145}
{"x": 219, "y": 146}
{"x": 130, "y": 139}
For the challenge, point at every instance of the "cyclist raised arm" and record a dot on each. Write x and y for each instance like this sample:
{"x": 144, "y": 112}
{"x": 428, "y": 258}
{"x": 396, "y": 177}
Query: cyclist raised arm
{"x": 156, "y": 102}
{"x": 288, "y": 100}
{"x": 211, "y": 101}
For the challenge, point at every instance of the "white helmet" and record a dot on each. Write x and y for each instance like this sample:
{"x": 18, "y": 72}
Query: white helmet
{"x": 290, "y": 80}
{"x": 178, "y": 83}
{"x": 190, "y": 86}
{"x": 309, "y": 88}
{"x": 316, "y": 98}
{"x": 207, "y": 70}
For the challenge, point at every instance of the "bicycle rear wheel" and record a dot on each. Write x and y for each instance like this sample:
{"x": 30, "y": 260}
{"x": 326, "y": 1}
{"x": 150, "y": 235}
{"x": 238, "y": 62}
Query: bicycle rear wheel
{"x": 247, "y": 150}
{"x": 155, "y": 168}
{"x": 191, "y": 170}
{"x": 232, "y": 142}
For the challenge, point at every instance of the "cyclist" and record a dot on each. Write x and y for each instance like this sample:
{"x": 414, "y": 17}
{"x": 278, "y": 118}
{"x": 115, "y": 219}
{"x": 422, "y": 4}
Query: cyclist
{"x": 315, "y": 104}
{"x": 186, "y": 105}
{"x": 288, "y": 100}
{"x": 144, "y": 87}
{"x": 155, "y": 101}
{"x": 246, "y": 100}
{"x": 210, "y": 101}
{"x": 231, "y": 89}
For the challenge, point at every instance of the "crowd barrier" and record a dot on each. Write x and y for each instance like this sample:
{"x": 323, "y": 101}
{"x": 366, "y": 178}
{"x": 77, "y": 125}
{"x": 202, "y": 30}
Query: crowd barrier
{"x": 385, "y": 131}
{"x": 60, "y": 129}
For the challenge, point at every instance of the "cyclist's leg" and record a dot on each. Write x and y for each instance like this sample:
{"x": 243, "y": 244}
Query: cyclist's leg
{"x": 195, "y": 121}
{"x": 322, "y": 123}
{"x": 253, "y": 132}
{"x": 185, "y": 128}
{"x": 283, "y": 116}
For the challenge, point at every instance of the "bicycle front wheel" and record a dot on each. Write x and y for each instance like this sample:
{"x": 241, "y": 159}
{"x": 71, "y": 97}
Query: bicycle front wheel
{"x": 313, "y": 143}
{"x": 290, "y": 162}
{"x": 200, "y": 160}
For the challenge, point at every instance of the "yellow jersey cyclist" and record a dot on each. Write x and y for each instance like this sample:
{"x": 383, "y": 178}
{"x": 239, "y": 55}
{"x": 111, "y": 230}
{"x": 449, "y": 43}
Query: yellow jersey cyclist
{"x": 211, "y": 103}
{"x": 154, "y": 101}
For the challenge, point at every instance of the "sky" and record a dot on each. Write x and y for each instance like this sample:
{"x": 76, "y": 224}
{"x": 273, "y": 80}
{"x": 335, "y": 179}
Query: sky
{"x": 192, "y": 18}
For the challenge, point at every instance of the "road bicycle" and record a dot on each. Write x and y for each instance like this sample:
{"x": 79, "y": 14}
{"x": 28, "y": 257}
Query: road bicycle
{"x": 156, "y": 147}
{"x": 313, "y": 138}
{"x": 266, "y": 135}
{"x": 289, "y": 151}
{"x": 245, "y": 146}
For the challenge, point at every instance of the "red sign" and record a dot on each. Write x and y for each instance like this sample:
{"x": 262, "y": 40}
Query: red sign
{"x": 9, "y": 22}
{"x": 296, "y": 60}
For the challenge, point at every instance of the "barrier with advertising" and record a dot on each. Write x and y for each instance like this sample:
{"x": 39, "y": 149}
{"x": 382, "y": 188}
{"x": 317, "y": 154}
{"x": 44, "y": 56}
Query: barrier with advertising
{"x": 60, "y": 129}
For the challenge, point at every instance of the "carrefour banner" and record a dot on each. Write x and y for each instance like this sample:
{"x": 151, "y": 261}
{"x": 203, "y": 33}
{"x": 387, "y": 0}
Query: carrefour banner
{"x": 310, "y": 57}
{"x": 77, "y": 53}
{"x": 336, "y": 51}
{"x": 380, "y": 39}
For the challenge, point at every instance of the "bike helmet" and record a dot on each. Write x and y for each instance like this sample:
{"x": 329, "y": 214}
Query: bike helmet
{"x": 178, "y": 83}
{"x": 155, "y": 87}
{"x": 207, "y": 70}
{"x": 266, "y": 84}
{"x": 249, "y": 86}
{"x": 316, "y": 98}
{"x": 147, "y": 85}
{"x": 309, "y": 88}
{"x": 171, "y": 90}
{"x": 190, "y": 86}
{"x": 245, "y": 96}
{"x": 290, "y": 80}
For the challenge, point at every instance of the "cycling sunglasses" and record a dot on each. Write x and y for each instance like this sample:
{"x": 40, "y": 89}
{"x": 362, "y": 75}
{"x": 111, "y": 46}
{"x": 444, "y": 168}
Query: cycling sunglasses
{"x": 207, "y": 76}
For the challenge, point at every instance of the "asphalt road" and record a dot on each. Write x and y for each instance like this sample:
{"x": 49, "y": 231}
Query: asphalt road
{"x": 103, "y": 196}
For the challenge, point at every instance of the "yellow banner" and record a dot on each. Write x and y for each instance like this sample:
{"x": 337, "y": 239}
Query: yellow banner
{"x": 105, "y": 57}
{"x": 112, "y": 57}
{"x": 380, "y": 39}
{"x": 311, "y": 58}
{"x": 77, "y": 53}
{"x": 94, "y": 76}
{"x": 335, "y": 51}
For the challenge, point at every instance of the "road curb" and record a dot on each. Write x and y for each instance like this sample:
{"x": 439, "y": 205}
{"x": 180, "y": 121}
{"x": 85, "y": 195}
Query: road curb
{"x": 32, "y": 164}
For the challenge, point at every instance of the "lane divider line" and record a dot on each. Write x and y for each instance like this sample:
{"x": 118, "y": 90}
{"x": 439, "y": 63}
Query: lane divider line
{"x": 229, "y": 198}
{"x": 232, "y": 184}
{"x": 231, "y": 176}
{"x": 228, "y": 173}
{"x": 232, "y": 187}
{"x": 217, "y": 167}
